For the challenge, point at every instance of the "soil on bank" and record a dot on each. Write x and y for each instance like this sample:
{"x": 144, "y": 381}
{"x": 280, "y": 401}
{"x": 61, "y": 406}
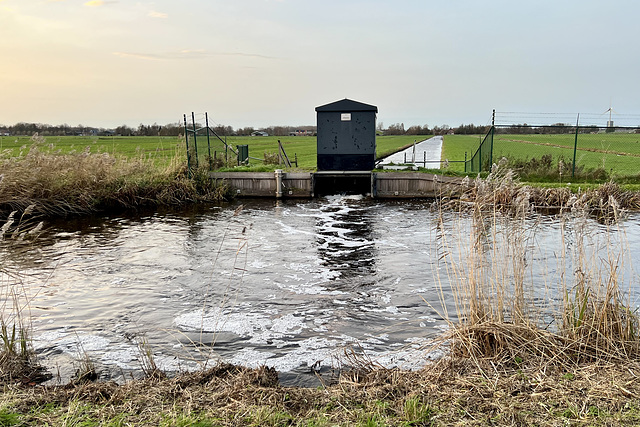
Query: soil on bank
{"x": 448, "y": 392}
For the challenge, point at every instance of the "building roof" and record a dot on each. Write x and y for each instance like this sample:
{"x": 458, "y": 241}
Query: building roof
{"x": 347, "y": 105}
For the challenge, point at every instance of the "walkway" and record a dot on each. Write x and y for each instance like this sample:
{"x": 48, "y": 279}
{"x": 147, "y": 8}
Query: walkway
{"x": 429, "y": 149}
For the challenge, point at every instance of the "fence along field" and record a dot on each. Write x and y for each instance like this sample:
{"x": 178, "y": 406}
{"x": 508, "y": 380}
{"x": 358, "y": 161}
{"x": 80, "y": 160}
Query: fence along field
{"x": 162, "y": 149}
{"x": 594, "y": 144}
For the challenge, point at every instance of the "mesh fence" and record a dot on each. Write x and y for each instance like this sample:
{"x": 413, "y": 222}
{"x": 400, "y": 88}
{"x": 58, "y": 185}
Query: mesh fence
{"x": 481, "y": 160}
{"x": 608, "y": 149}
{"x": 205, "y": 148}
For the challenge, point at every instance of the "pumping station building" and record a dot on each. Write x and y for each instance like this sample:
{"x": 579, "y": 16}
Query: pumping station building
{"x": 346, "y": 158}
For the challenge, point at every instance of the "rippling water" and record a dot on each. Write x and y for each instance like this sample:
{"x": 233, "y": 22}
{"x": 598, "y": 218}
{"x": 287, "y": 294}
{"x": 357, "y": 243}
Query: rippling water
{"x": 289, "y": 284}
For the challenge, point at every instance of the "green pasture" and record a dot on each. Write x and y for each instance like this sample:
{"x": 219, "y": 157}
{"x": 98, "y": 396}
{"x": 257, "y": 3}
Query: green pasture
{"x": 617, "y": 153}
{"x": 304, "y": 147}
{"x": 162, "y": 149}
{"x": 455, "y": 147}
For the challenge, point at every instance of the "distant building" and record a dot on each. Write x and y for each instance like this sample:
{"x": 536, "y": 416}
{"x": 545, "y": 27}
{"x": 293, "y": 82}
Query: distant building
{"x": 259, "y": 133}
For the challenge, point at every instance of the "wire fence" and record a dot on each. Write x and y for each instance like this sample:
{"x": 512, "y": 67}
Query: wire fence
{"x": 206, "y": 148}
{"x": 549, "y": 143}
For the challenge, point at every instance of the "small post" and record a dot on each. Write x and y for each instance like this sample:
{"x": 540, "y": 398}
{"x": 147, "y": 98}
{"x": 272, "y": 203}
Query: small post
{"x": 413, "y": 154}
{"x": 206, "y": 119}
{"x": 575, "y": 147}
{"x": 278, "y": 174}
{"x": 195, "y": 140}
{"x": 425, "y": 159}
{"x": 186, "y": 139}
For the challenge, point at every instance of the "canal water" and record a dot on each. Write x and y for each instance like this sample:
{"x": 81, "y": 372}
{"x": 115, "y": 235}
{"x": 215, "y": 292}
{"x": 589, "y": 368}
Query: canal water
{"x": 294, "y": 285}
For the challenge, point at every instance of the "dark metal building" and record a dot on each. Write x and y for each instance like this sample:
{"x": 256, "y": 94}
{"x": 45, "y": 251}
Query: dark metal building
{"x": 346, "y": 136}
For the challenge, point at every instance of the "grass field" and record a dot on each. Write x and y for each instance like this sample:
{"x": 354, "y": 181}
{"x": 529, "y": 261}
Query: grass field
{"x": 618, "y": 154}
{"x": 164, "y": 149}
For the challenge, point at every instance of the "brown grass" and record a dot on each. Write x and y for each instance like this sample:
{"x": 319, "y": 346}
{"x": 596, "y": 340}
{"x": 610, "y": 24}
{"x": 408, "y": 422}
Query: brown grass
{"x": 502, "y": 190}
{"x": 59, "y": 184}
{"x": 498, "y": 317}
{"x": 449, "y": 392}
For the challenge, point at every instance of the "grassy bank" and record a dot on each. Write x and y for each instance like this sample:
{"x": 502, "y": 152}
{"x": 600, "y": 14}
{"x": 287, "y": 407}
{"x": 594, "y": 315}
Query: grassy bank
{"x": 59, "y": 183}
{"x": 444, "y": 394}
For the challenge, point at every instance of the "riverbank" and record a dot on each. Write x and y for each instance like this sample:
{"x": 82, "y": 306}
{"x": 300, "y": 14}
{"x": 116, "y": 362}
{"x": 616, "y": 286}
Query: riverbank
{"x": 449, "y": 392}
{"x": 72, "y": 184}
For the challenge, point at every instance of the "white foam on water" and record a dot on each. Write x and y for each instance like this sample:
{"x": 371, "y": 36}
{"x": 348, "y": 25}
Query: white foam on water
{"x": 124, "y": 358}
{"x": 288, "y": 324}
{"x": 251, "y": 358}
{"x": 307, "y": 289}
{"x": 259, "y": 265}
{"x": 259, "y": 328}
{"x": 218, "y": 320}
{"x": 71, "y": 343}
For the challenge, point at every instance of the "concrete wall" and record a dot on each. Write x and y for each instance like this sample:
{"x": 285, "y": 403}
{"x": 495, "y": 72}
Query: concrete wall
{"x": 387, "y": 185}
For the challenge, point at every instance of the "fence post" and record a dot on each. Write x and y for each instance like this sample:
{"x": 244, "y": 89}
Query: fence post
{"x": 186, "y": 139}
{"x": 575, "y": 148}
{"x": 493, "y": 129}
{"x": 480, "y": 157}
{"x": 195, "y": 138}
{"x": 206, "y": 119}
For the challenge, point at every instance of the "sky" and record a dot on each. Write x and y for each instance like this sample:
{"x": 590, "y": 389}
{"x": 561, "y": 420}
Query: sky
{"x": 271, "y": 62}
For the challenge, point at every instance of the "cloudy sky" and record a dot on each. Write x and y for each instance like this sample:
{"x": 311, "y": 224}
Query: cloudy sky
{"x": 271, "y": 62}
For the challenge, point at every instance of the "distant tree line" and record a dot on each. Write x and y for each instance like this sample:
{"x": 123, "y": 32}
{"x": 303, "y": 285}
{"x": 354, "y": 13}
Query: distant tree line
{"x": 176, "y": 129}
{"x": 399, "y": 129}
{"x": 171, "y": 129}
{"x": 556, "y": 128}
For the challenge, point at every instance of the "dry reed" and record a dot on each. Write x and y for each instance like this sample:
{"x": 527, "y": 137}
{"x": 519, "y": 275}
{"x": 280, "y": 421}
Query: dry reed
{"x": 502, "y": 316}
{"x": 18, "y": 362}
{"x": 59, "y": 184}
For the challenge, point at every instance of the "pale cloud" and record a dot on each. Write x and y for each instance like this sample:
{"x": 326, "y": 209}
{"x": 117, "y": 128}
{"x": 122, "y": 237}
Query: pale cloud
{"x": 159, "y": 15}
{"x": 187, "y": 54}
{"x": 137, "y": 56}
{"x": 98, "y": 3}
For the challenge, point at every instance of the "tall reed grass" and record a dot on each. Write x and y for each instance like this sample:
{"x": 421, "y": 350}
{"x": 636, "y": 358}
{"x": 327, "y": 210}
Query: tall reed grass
{"x": 59, "y": 184}
{"x": 17, "y": 358}
{"x": 510, "y": 305}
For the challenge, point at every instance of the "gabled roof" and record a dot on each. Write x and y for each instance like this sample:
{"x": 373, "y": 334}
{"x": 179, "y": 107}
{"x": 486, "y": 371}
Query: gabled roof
{"x": 347, "y": 105}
